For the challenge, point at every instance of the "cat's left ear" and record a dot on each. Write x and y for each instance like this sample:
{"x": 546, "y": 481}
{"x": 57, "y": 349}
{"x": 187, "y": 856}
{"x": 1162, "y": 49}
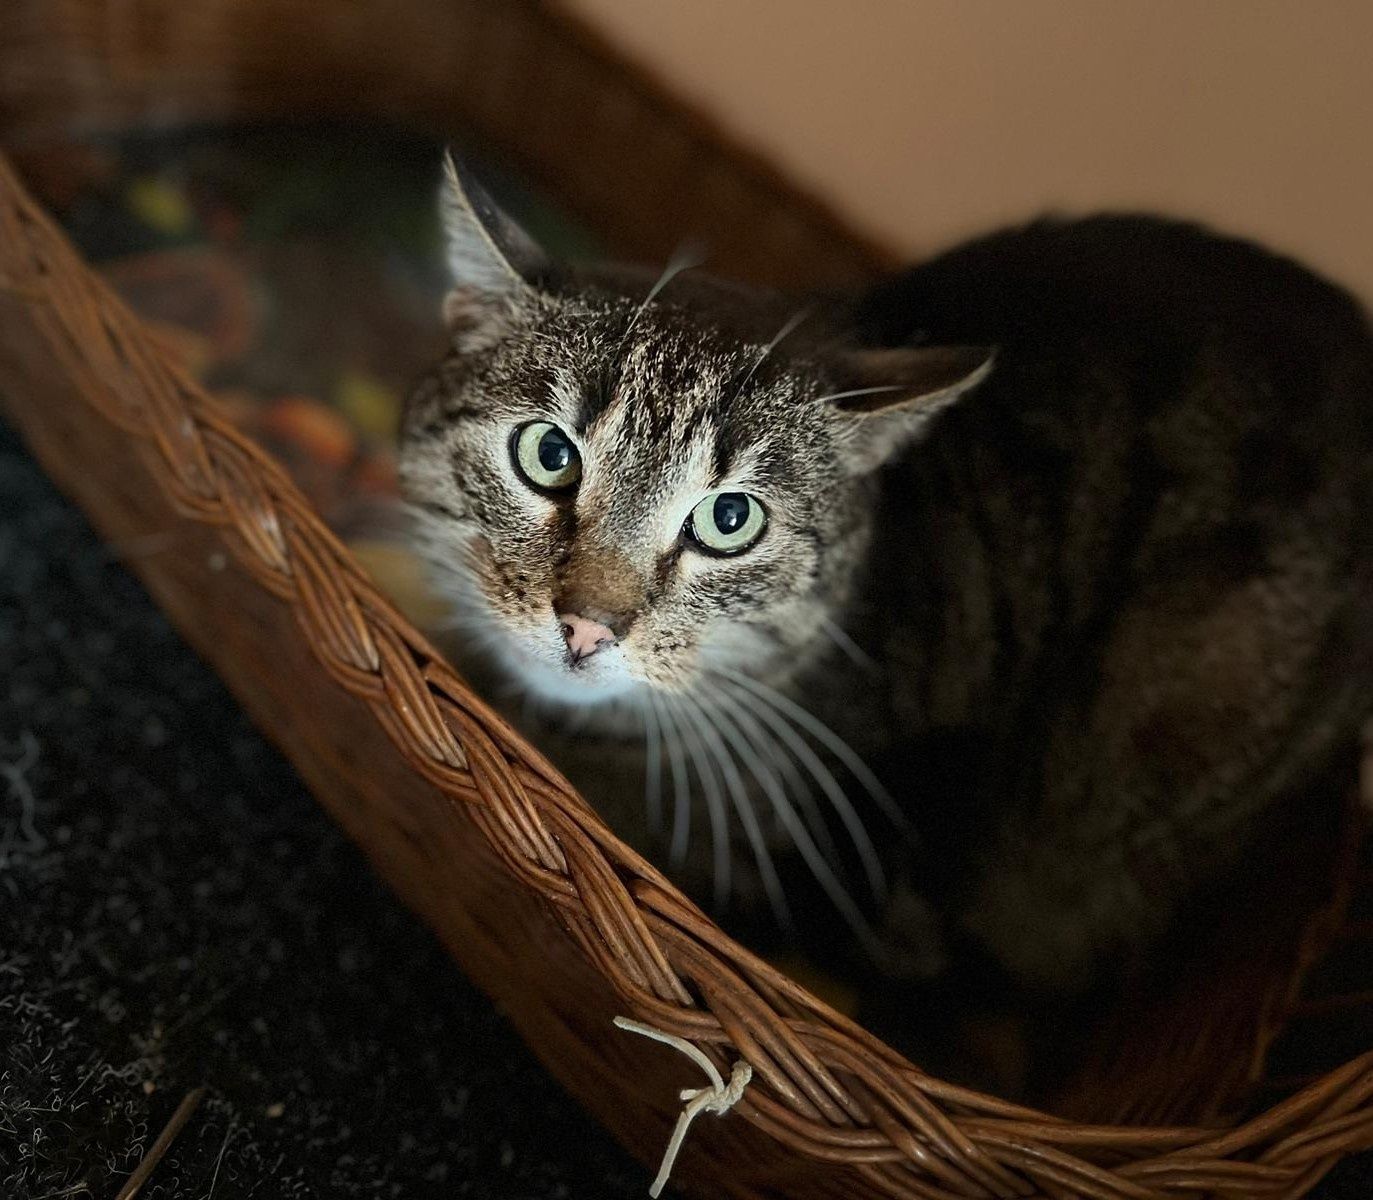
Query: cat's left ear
{"x": 891, "y": 395}
{"x": 495, "y": 265}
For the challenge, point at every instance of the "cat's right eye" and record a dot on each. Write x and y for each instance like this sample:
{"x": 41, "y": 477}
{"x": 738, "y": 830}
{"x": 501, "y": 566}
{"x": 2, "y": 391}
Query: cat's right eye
{"x": 545, "y": 457}
{"x": 726, "y": 523}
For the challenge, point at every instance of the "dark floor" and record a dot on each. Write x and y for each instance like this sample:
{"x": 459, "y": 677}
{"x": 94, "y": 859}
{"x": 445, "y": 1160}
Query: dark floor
{"x": 175, "y": 911}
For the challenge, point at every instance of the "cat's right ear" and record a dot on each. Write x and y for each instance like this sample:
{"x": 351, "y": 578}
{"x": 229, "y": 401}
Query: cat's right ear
{"x": 495, "y": 265}
{"x": 892, "y": 395}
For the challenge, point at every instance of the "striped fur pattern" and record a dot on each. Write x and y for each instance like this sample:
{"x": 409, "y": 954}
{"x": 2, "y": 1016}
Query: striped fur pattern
{"x": 1035, "y": 644}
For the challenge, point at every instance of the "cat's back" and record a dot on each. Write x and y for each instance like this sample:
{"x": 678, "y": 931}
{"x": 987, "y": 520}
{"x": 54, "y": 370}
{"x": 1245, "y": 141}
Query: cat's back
{"x": 1118, "y": 280}
{"x": 1139, "y": 356}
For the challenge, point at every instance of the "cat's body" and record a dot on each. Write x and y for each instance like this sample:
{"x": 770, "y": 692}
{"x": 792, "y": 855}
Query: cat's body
{"x": 1128, "y": 583}
{"x": 1092, "y": 615}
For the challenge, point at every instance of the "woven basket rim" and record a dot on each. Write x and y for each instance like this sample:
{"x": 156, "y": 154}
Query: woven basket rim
{"x": 823, "y": 1087}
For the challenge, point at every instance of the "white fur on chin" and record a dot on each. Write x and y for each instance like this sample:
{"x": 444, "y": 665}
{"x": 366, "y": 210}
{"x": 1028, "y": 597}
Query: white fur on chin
{"x": 548, "y": 676}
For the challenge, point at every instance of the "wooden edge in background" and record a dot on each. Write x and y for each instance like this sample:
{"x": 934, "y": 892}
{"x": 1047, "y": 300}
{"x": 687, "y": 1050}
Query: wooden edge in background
{"x": 534, "y": 84}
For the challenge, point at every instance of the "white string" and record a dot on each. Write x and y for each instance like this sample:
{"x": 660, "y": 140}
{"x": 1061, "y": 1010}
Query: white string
{"x": 718, "y": 1098}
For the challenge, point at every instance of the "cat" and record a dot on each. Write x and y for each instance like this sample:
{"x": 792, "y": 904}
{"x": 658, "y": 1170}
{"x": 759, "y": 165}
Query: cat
{"x": 988, "y": 613}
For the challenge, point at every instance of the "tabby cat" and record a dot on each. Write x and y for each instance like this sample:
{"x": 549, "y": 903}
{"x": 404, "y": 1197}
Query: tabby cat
{"x": 986, "y": 614}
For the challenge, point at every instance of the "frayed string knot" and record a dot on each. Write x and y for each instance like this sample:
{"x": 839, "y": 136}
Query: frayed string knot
{"x": 717, "y": 1097}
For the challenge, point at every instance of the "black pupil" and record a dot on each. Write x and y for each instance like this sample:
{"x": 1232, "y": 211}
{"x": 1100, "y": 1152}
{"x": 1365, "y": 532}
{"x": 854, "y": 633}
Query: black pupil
{"x": 555, "y": 452}
{"x": 731, "y": 511}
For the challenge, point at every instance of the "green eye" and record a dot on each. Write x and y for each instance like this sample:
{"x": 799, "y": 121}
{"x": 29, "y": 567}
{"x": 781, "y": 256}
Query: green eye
{"x": 546, "y": 457}
{"x": 726, "y": 522}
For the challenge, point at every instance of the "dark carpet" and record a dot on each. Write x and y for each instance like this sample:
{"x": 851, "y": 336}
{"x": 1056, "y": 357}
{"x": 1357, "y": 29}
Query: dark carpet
{"x": 176, "y": 912}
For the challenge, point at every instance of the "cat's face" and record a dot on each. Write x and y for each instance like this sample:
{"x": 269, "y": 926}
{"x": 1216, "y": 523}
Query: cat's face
{"x": 644, "y": 485}
{"x": 621, "y": 495}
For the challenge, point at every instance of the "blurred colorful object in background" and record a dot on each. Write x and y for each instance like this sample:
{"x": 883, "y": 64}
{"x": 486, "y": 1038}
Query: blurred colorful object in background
{"x": 231, "y": 244}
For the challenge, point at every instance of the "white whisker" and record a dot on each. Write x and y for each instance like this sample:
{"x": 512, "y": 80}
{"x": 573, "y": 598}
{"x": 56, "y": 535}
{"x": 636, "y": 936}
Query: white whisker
{"x": 806, "y": 720}
{"x": 800, "y": 835}
{"x": 653, "y": 766}
{"x": 867, "y": 391}
{"x": 824, "y": 778}
{"x": 772, "y": 885}
{"x": 839, "y": 636}
{"x": 684, "y": 258}
{"x": 681, "y": 785}
{"x": 769, "y": 748}
{"x": 792, "y": 322}
{"x": 715, "y": 806}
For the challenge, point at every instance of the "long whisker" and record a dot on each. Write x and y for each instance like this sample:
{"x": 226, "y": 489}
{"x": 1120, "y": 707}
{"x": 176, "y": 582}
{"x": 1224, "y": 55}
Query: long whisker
{"x": 653, "y": 766}
{"x": 867, "y": 852}
{"x": 828, "y": 784}
{"x": 771, "y": 751}
{"x": 867, "y": 391}
{"x": 684, "y": 258}
{"x": 824, "y": 734}
{"x": 681, "y": 785}
{"x": 839, "y": 636}
{"x": 792, "y": 322}
{"x": 715, "y": 806}
{"x": 800, "y": 835}
{"x": 772, "y": 885}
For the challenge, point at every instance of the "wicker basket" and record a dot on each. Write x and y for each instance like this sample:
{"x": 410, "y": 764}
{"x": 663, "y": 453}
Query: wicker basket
{"x": 563, "y": 925}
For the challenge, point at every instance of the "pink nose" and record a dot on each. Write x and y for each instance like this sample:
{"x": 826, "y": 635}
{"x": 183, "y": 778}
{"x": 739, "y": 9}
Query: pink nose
{"x": 584, "y": 637}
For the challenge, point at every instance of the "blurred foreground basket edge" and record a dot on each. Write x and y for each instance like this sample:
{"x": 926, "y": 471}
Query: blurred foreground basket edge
{"x": 561, "y": 924}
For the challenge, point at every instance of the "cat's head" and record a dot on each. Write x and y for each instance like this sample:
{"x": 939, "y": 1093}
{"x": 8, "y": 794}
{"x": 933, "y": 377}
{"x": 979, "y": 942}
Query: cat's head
{"x": 623, "y": 489}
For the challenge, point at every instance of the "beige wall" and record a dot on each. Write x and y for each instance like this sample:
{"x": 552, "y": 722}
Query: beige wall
{"x": 926, "y": 120}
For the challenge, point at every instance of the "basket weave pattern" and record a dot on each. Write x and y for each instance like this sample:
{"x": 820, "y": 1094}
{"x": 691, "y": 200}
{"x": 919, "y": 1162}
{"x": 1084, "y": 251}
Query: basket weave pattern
{"x": 823, "y": 1087}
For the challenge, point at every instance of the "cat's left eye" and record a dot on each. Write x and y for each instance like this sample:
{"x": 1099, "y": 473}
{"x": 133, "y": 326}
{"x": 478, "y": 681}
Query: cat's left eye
{"x": 546, "y": 457}
{"x": 726, "y": 522}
